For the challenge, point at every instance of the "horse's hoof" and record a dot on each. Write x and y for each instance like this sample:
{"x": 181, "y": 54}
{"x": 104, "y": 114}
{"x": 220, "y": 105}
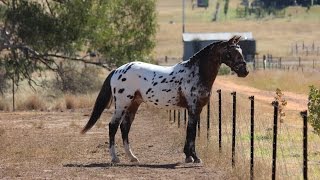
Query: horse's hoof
{"x": 134, "y": 160}
{"x": 115, "y": 160}
{"x": 197, "y": 160}
{"x": 189, "y": 160}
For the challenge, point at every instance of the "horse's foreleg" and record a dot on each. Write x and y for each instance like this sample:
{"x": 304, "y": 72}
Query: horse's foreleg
{"x": 189, "y": 148}
{"x": 113, "y": 128}
{"x": 125, "y": 128}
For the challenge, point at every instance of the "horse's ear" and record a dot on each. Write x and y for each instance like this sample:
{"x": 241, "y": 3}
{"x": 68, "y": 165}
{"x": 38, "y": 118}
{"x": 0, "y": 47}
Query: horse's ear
{"x": 237, "y": 39}
{"x": 232, "y": 40}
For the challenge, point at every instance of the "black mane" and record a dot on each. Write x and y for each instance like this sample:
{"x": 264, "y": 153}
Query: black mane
{"x": 203, "y": 52}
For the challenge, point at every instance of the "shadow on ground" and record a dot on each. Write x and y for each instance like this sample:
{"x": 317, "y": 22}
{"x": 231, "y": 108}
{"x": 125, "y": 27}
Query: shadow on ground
{"x": 152, "y": 166}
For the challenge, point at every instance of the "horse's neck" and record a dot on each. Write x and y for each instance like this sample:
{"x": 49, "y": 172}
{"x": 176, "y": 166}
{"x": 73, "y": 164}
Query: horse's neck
{"x": 208, "y": 69}
{"x": 206, "y": 64}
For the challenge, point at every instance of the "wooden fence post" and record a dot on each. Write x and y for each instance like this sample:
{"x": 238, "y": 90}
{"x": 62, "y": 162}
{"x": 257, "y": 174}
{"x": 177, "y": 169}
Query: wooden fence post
{"x": 280, "y": 64}
{"x": 299, "y": 61}
{"x": 313, "y": 64}
{"x": 185, "y": 116}
{"x": 179, "y": 118}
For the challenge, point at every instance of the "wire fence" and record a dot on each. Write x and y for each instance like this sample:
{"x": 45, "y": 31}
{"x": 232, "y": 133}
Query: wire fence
{"x": 250, "y": 134}
{"x": 292, "y": 63}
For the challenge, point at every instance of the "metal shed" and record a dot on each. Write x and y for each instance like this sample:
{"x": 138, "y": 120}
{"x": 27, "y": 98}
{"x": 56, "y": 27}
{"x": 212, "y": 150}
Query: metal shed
{"x": 193, "y": 42}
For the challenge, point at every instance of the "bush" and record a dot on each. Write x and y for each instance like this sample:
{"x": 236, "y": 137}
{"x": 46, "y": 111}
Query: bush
{"x": 4, "y": 105}
{"x": 4, "y": 85}
{"x": 224, "y": 70}
{"x": 70, "y": 102}
{"x": 71, "y": 80}
{"x": 32, "y": 103}
{"x": 314, "y": 109}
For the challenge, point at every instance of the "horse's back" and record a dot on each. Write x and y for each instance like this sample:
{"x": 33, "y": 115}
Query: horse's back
{"x": 155, "y": 84}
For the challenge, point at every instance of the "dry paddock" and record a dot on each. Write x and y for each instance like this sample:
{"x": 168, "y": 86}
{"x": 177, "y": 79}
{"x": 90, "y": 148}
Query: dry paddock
{"x": 48, "y": 145}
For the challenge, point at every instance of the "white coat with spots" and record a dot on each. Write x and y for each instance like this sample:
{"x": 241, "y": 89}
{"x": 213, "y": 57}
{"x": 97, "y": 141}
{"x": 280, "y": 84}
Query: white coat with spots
{"x": 156, "y": 85}
{"x": 185, "y": 85}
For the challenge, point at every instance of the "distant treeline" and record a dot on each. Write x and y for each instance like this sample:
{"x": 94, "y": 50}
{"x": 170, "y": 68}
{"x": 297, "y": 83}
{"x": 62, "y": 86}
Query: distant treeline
{"x": 279, "y": 4}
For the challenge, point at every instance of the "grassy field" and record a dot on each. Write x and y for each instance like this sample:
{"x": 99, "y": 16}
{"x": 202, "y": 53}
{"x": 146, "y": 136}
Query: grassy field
{"x": 273, "y": 35}
{"x": 270, "y": 80}
{"x": 289, "y": 152}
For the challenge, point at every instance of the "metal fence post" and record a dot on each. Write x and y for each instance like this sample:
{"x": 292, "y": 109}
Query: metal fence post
{"x": 170, "y": 115}
{"x": 174, "y": 116}
{"x": 220, "y": 119}
{"x": 208, "y": 118}
{"x": 275, "y": 134}
{"x": 252, "y": 139}
{"x": 234, "y": 95}
{"x": 304, "y": 115}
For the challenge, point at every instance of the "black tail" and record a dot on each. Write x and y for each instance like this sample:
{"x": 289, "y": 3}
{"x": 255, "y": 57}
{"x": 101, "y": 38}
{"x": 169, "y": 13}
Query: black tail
{"x": 104, "y": 98}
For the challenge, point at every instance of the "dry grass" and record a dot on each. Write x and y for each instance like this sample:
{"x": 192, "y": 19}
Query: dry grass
{"x": 27, "y": 100}
{"x": 79, "y": 101}
{"x": 2, "y": 131}
{"x": 289, "y": 162}
{"x": 273, "y": 36}
{"x": 70, "y": 101}
{"x": 270, "y": 80}
{"x": 33, "y": 102}
{"x": 4, "y": 106}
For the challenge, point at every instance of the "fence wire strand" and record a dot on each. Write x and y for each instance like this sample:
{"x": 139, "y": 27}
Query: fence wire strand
{"x": 289, "y": 138}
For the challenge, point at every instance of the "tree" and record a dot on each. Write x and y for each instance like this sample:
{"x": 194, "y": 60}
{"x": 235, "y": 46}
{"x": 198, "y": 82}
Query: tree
{"x": 130, "y": 27}
{"x": 226, "y": 7}
{"x": 37, "y": 36}
{"x": 314, "y": 109}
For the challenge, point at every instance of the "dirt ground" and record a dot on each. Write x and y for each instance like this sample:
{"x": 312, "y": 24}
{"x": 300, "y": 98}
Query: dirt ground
{"x": 295, "y": 101}
{"x": 48, "y": 145}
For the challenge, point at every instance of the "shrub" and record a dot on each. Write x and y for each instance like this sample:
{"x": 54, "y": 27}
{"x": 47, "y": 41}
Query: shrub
{"x": 224, "y": 70}
{"x": 4, "y": 85}
{"x": 282, "y": 104}
{"x": 314, "y": 109}
{"x": 3, "y": 105}
{"x": 70, "y": 102}
{"x": 32, "y": 103}
{"x": 71, "y": 80}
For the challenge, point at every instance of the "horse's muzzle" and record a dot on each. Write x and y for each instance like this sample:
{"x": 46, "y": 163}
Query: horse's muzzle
{"x": 244, "y": 74}
{"x": 241, "y": 70}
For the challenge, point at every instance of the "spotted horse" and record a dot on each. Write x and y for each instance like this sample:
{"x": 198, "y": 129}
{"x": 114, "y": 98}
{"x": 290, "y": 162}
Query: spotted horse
{"x": 185, "y": 85}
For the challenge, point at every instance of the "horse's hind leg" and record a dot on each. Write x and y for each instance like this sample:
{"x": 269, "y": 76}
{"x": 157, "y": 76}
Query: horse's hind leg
{"x": 125, "y": 128}
{"x": 113, "y": 127}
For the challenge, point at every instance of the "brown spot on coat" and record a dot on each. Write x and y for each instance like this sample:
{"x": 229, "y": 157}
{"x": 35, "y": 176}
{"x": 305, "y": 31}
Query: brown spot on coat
{"x": 182, "y": 101}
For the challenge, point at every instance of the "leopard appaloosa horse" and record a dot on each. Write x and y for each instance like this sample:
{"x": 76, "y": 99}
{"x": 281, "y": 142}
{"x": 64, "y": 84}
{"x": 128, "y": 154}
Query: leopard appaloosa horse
{"x": 185, "y": 85}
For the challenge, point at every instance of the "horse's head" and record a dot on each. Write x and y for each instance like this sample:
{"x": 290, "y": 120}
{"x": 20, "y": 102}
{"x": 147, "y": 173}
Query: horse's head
{"x": 231, "y": 55}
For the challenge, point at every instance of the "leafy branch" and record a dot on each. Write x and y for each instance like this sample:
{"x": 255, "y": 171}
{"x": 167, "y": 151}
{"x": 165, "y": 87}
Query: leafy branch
{"x": 314, "y": 109}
